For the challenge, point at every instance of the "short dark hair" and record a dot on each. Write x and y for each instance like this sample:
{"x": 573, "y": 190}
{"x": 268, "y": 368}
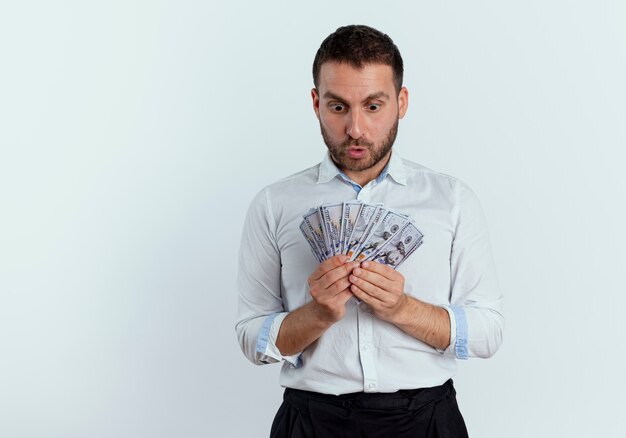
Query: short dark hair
{"x": 358, "y": 45}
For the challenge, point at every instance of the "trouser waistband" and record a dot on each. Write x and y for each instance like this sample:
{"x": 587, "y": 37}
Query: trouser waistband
{"x": 409, "y": 399}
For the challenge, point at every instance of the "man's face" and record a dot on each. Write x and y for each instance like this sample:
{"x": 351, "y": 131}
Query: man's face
{"x": 358, "y": 111}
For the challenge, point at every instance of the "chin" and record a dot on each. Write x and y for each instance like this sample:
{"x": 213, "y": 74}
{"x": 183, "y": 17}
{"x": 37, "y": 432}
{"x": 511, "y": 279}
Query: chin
{"x": 358, "y": 166}
{"x": 353, "y": 164}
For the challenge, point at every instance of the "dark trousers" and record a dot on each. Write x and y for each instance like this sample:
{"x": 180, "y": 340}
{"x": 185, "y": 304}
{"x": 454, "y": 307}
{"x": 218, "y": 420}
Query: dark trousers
{"x": 418, "y": 413}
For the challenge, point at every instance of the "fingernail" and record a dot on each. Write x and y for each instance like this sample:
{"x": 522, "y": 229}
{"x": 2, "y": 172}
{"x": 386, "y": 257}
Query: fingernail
{"x": 343, "y": 259}
{"x": 365, "y": 264}
{"x": 356, "y": 271}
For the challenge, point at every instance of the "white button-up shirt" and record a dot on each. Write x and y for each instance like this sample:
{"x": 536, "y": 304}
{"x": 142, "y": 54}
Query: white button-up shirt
{"x": 453, "y": 269}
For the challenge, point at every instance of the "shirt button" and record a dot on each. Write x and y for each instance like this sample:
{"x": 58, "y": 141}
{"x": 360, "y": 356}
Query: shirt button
{"x": 371, "y": 386}
{"x": 365, "y": 348}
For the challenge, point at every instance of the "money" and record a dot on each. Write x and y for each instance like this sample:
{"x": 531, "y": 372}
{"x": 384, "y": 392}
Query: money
{"x": 308, "y": 235}
{"x": 360, "y": 231}
{"x": 399, "y": 247}
{"x": 313, "y": 222}
{"x": 388, "y": 227}
{"x": 361, "y": 227}
{"x": 331, "y": 215}
{"x": 348, "y": 219}
{"x": 373, "y": 223}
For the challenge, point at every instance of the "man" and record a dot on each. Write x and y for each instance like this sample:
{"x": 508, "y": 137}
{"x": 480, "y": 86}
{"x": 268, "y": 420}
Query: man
{"x": 367, "y": 350}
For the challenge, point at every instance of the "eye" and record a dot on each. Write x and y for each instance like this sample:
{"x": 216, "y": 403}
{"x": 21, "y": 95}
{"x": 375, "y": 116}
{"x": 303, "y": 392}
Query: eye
{"x": 373, "y": 107}
{"x": 337, "y": 107}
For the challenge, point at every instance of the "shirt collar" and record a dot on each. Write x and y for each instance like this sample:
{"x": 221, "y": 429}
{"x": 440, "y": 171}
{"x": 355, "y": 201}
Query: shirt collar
{"x": 394, "y": 168}
{"x": 328, "y": 169}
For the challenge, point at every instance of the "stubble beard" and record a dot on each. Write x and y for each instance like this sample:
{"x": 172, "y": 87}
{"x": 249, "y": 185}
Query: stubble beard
{"x": 339, "y": 151}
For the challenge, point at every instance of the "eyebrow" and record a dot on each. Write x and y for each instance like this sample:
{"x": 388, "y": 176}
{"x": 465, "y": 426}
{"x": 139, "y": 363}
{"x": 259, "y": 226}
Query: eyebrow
{"x": 377, "y": 95}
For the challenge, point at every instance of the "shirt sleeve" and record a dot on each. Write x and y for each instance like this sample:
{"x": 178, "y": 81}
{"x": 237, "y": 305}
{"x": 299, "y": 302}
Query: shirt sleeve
{"x": 260, "y": 310}
{"x": 475, "y": 307}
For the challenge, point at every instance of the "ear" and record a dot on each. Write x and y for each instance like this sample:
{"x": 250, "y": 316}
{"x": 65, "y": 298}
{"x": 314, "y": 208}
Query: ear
{"x": 403, "y": 102}
{"x": 316, "y": 102}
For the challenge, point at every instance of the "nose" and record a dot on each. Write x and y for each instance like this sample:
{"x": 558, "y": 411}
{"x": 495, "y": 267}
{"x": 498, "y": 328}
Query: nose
{"x": 355, "y": 125}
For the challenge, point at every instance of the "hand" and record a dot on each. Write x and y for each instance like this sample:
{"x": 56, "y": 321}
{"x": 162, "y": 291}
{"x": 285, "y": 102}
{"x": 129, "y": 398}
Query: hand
{"x": 330, "y": 288}
{"x": 381, "y": 287}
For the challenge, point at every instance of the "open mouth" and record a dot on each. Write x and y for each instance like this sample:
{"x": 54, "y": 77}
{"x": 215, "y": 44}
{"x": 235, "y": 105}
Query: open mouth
{"x": 356, "y": 152}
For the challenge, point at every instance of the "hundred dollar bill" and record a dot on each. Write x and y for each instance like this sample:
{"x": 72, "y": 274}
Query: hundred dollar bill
{"x": 349, "y": 215}
{"x": 374, "y": 222}
{"x": 398, "y": 247}
{"x": 360, "y": 226}
{"x": 308, "y": 235}
{"x": 331, "y": 215}
{"x": 411, "y": 251}
{"x": 360, "y": 233}
{"x": 327, "y": 243}
{"x": 387, "y": 227}
{"x": 313, "y": 221}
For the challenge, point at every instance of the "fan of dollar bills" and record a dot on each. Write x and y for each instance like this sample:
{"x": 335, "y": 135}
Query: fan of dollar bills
{"x": 360, "y": 231}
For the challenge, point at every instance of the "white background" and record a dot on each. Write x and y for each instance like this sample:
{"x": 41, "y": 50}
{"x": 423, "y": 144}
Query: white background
{"x": 133, "y": 135}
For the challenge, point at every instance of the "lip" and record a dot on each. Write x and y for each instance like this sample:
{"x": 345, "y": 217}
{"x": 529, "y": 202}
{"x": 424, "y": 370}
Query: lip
{"x": 356, "y": 152}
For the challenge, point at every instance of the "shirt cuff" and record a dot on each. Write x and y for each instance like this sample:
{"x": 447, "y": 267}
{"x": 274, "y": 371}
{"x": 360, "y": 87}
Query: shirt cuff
{"x": 266, "y": 342}
{"x": 458, "y": 333}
